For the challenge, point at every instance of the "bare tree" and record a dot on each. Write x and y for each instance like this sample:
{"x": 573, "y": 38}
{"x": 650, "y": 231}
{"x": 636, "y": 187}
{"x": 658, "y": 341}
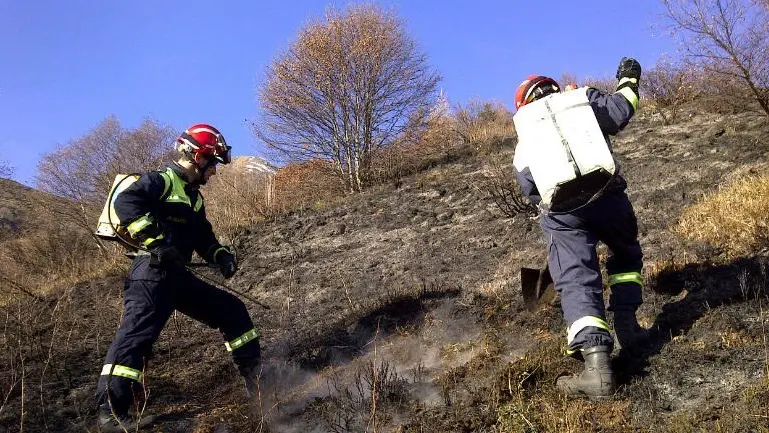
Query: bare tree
{"x": 668, "y": 86}
{"x": 608, "y": 85}
{"x": 83, "y": 170}
{"x": 346, "y": 87}
{"x": 6, "y": 170}
{"x": 568, "y": 78}
{"x": 727, "y": 37}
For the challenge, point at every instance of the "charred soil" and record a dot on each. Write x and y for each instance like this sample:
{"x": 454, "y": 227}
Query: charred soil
{"x": 399, "y": 309}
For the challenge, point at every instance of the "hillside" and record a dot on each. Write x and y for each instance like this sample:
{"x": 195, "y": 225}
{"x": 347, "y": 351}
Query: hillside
{"x": 420, "y": 280}
{"x": 20, "y": 209}
{"x": 16, "y": 207}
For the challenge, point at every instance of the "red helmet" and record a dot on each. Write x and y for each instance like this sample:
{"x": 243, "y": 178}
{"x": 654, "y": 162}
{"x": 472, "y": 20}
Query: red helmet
{"x": 204, "y": 141}
{"x": 534, "y": 87}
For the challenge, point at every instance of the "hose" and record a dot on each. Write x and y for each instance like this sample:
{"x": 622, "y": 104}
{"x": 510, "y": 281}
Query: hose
{"x": 190, "y": 267}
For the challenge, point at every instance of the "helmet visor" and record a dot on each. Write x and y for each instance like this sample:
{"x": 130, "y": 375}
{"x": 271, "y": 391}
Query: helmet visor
{"x": 225, "y": 157}
{"x": 222, "y": 152}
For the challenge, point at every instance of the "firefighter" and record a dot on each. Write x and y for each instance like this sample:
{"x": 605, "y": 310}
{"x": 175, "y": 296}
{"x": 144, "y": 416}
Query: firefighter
{"x": 572, "y": 233}
{"x": 163, "y": 211}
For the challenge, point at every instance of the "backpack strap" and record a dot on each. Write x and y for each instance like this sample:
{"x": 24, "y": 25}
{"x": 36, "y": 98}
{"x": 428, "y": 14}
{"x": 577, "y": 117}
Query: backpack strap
{"x": 167, "y": 181}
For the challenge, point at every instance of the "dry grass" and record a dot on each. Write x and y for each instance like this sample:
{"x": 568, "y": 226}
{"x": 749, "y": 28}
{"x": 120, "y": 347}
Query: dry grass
{"x": 37, "y": 264}
{"x": 535, "y": 405}
{"x": 304, "y": 185}
{"x": 484, "y": 124}
{"x": 403, "y": 159}
{"x": 732, "y": 219}
{"x": 236, "y": 198}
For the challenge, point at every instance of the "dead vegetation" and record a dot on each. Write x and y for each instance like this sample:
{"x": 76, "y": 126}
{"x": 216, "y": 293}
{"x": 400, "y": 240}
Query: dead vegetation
{"x": 501, "y": 185}
{"x": 732, "y": 219}
{"x": 367, "y": 403}
{"x": 484, "y": 124}
{"x": 727, "y": 39}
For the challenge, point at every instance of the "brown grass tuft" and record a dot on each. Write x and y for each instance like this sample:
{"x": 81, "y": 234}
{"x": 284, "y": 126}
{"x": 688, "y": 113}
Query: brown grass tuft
{"x": 732, "y": 219}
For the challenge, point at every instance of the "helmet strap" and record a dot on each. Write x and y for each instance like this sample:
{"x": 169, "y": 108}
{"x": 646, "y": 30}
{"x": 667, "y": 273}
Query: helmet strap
{"x": 193, "y": 173}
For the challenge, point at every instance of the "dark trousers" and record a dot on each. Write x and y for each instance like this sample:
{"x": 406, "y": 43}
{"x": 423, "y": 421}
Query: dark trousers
{"x": 149, "y": 298}
{"x": 573, "y": 260}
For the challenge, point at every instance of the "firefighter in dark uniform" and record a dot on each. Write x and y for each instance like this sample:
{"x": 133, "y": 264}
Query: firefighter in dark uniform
{"x": 163, "y": 211}
{"x": 572, "y": 237}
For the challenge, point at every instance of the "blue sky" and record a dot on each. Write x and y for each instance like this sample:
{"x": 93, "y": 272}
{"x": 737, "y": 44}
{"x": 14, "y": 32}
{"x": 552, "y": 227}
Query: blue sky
{"x": 67, "y": 65}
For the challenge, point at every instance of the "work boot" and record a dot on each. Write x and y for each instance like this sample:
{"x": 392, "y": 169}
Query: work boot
{"x": 107, "y": 422}
{"x": 630, "y": 335}
{"x": 596, "y": 381}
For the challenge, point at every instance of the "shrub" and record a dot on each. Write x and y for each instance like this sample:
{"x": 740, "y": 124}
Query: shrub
{"x": 364, "y": 403}
{"x": 608, "y": 85}
{"x": 668, "y": 87}
{"x": 500, "y": 184}
{"x": 301, "y": 185}
{"x": 484, "y": 124}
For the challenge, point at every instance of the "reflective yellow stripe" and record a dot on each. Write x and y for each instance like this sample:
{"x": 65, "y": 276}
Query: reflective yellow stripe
{"x": 177, "y": 194}
{"x": 218, "y": 251}
{"x": 166, "y": 182}
{"x": 148, "y": 241}
{"x": 627, "y": 277}
{"x": 240, "y": 341}
{"x": 583, "y": 323}
{"x": 122, "y": 371}
{"x": 627, "y": 80}
{"x": 140, "y": 224}
{"x": 176, "y": 198}
{"x": 199, "y": 202}
{"x": 630, "y": 95}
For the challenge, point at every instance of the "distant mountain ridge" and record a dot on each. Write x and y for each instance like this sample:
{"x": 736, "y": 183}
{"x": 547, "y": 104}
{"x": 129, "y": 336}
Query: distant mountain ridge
{"x": 254, "y": 164}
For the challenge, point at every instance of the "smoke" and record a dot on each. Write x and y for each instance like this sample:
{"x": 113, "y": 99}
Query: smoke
{"x": 281, "y": 391}
{"x": 443, "y": 340}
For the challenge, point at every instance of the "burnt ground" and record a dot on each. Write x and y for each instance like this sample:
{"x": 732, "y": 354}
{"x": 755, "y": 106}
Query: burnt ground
{"x": 399, "y": 310}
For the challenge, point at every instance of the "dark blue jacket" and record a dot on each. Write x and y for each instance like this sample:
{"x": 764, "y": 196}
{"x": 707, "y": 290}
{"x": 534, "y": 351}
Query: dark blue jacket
{"x": 161, "y": 207}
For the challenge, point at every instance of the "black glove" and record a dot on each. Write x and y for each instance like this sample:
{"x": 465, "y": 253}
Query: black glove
{"x": 228, "y": 265}
{"x": 166, "y": 255}
{"x": 628, "y": 68}
{"x": 629, "y": 75}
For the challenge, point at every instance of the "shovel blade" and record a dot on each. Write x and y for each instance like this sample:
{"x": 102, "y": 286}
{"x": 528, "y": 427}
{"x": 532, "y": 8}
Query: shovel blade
{"x": 536, "y": 287}
{"x": 529, "y": 278}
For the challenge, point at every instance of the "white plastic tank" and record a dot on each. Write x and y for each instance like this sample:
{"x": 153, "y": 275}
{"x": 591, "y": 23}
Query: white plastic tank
{"x": 109, "y": 221}
{"x": 561, "y": 143}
